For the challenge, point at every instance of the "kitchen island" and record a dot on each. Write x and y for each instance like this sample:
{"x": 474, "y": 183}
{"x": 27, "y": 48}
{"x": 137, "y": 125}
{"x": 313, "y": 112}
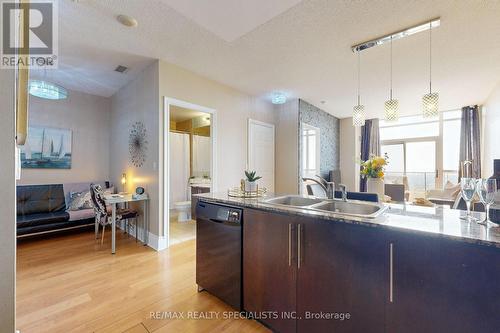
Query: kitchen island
{"x": 411, "y": 269}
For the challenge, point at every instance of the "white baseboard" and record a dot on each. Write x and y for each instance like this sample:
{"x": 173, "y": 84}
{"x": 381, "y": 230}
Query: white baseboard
{"x": 154, "y": 241}
{"x": 157, "y": 243}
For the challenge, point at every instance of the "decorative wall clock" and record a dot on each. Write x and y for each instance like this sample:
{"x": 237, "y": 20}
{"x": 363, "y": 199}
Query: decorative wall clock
{"x": 138, "y": 144}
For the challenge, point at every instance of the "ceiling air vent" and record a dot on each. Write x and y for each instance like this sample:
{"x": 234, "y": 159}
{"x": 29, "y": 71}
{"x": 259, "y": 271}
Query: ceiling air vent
{"x": 121, "y": 69}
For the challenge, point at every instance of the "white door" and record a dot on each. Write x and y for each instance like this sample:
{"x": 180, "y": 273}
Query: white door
{"x": 261, "y": 151}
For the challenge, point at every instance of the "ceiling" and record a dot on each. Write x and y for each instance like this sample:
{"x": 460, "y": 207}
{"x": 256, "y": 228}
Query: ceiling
{"x": 230, "y": 19}
{"x": 302, "y": 49}
{"x": 178, "y": 113}
{"x": 91, "y": 70}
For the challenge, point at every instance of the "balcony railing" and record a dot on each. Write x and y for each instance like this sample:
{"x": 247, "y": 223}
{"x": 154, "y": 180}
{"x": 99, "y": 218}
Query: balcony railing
{"x": 419, "y": 183}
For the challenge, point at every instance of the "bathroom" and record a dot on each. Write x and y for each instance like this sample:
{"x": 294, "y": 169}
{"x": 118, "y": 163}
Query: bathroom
{"x": 190, "y": 147}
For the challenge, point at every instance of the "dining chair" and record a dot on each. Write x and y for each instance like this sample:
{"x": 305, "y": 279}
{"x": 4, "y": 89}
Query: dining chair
{"x": 361, "y": 196}
{"x": 317, "y": 191}
{"x": 103, "y": 217}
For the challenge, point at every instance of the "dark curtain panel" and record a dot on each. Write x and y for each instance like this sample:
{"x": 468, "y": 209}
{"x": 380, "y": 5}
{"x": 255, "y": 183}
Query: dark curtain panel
{"x": 370, "y": 145}
{"x": 375, "y": 138}
{"x": 470, "y": 143}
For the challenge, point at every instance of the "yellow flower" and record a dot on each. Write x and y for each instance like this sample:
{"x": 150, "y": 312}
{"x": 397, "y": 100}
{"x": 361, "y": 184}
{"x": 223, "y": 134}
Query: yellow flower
{"x": 380, "y": 161}
{"x": 380, "y": 174}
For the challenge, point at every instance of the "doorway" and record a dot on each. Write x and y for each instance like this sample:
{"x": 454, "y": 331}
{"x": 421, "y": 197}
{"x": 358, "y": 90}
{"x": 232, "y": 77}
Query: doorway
{"x": 261, "y": 151}
{"x": 310, "y": 155}
{"x": 189, "y": 165}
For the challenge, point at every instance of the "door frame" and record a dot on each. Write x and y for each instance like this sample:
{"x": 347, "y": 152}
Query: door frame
{"x": 304, "y": 126}
{"x": 249, "y": 146}
{"x": 167, "y": 102}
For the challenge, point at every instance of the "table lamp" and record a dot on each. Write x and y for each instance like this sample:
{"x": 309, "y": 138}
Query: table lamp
{"x": 124, "y": 181}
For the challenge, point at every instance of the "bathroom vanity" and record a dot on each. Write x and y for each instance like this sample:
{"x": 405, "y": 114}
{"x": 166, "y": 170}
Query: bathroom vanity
{"x": 323, "y": 266}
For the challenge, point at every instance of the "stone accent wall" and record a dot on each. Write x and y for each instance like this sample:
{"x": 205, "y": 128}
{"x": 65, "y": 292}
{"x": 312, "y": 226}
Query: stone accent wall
{"x": 329, "y": 136}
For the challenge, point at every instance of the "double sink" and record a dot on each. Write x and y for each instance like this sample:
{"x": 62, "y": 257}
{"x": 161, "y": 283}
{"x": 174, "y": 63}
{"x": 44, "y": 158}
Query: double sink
{"x": 348, "y": 208}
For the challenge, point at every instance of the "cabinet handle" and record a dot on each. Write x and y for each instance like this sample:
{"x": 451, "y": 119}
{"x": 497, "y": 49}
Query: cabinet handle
{"x": 289, "y": 244}
{"x": 391, "y": 272}
{"x": 299, "y": 255}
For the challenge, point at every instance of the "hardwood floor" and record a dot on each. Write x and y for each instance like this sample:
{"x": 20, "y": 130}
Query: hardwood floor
{"x": 72, "y": 284}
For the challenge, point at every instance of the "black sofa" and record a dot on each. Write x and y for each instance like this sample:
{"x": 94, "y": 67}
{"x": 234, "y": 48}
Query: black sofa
{"x": 42, "y": 209}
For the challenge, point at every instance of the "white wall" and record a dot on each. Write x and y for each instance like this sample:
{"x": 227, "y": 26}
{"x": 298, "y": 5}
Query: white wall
{"x": 137, "y": 102}
{"x": 88, "y": 116}
{"x": 287, "y": 147}
{"x": 7, "y": 204}
{"x": 349, "y": 154}
{"x": 491, "y": 109}
{"x": 233, "y": 110}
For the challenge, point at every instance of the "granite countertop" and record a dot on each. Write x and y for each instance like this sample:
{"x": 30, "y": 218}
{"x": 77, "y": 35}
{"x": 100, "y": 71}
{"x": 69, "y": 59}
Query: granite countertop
{"x": 439, "y": 220}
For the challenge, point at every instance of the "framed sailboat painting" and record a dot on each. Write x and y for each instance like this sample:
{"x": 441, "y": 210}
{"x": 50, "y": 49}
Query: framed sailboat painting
{"x": 47, "y": 148}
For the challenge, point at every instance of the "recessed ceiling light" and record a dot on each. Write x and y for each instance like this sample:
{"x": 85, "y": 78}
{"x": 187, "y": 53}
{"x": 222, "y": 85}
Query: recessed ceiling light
{"x": 127, "y": 21}
{"x": 278, "y": 98}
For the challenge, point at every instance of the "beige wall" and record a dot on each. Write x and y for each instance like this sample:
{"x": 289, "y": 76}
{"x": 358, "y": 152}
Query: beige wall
{"x": 137, "y": 102}
{"x": 88, "y": 116}
{"x": 491, "y": 109}
{"x": 349, "y": 154}
{"x": 142, "y": 100}
{"x": 233, "y": 110}
{"x": 7, "y": 204}
{"x": 287, "y": 147}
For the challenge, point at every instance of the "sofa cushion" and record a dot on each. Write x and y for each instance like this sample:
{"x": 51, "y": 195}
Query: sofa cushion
{"x": 38, "y": 199}
{"x": 41, "y": 219}
{"x": 82, "y": 214}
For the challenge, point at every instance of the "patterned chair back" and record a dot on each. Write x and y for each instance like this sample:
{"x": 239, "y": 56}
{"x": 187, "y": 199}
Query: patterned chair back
{"x": 98, "y": 200}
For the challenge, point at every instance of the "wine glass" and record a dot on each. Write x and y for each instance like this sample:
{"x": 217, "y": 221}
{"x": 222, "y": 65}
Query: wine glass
{"x": 486, "y": 189}
{"x": 468, "y": 188}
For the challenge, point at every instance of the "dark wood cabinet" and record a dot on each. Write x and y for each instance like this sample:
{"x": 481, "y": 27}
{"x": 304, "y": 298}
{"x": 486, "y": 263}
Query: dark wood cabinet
{"x": 441, "y": 285}
{"x": 341, "y": 282}
{"x": 385, "y": 280}
{"x": 269, "y": 274}
{"x": 309, "y": 269}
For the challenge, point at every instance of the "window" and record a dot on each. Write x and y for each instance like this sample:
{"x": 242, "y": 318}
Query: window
{"x": 310, "y": 151}
{"x": 423, "y": 153}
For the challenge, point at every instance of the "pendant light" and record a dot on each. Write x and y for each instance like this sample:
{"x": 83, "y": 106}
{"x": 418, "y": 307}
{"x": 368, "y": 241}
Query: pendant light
{"x": 358, "y": 112}
{"x": 430, "y": 101}
{"x": 392, "y": 105}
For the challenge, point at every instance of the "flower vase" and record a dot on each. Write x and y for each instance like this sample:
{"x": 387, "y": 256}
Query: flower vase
{"x": 377, "y": 186}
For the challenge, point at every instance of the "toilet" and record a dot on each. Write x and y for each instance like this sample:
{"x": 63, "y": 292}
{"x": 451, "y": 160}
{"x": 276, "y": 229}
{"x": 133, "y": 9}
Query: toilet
{"x": 184, "y": 210}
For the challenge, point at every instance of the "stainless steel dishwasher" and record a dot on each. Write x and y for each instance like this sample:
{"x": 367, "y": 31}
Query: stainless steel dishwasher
{"x": 219, "y": 251}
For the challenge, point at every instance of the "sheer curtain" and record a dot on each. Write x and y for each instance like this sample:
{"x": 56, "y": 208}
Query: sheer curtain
{"x": 179, "y": 167}
{"x": 470, "y": 143}
{"x": 370, "y": 145}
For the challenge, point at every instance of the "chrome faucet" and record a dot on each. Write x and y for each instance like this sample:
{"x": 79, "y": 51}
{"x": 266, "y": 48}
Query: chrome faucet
{"x": 343, "y": 189}
{"x": 328, "y": 187}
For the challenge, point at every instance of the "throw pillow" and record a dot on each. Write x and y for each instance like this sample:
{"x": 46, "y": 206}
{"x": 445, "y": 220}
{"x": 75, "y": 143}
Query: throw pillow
{"x": 80, "y": 200}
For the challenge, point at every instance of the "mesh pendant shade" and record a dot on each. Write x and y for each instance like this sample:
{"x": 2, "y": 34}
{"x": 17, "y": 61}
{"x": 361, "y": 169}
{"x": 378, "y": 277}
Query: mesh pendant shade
{"x": 358, "y": 115}
{"x": 430, "y": 105}
{"x": 392, "y": 110}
